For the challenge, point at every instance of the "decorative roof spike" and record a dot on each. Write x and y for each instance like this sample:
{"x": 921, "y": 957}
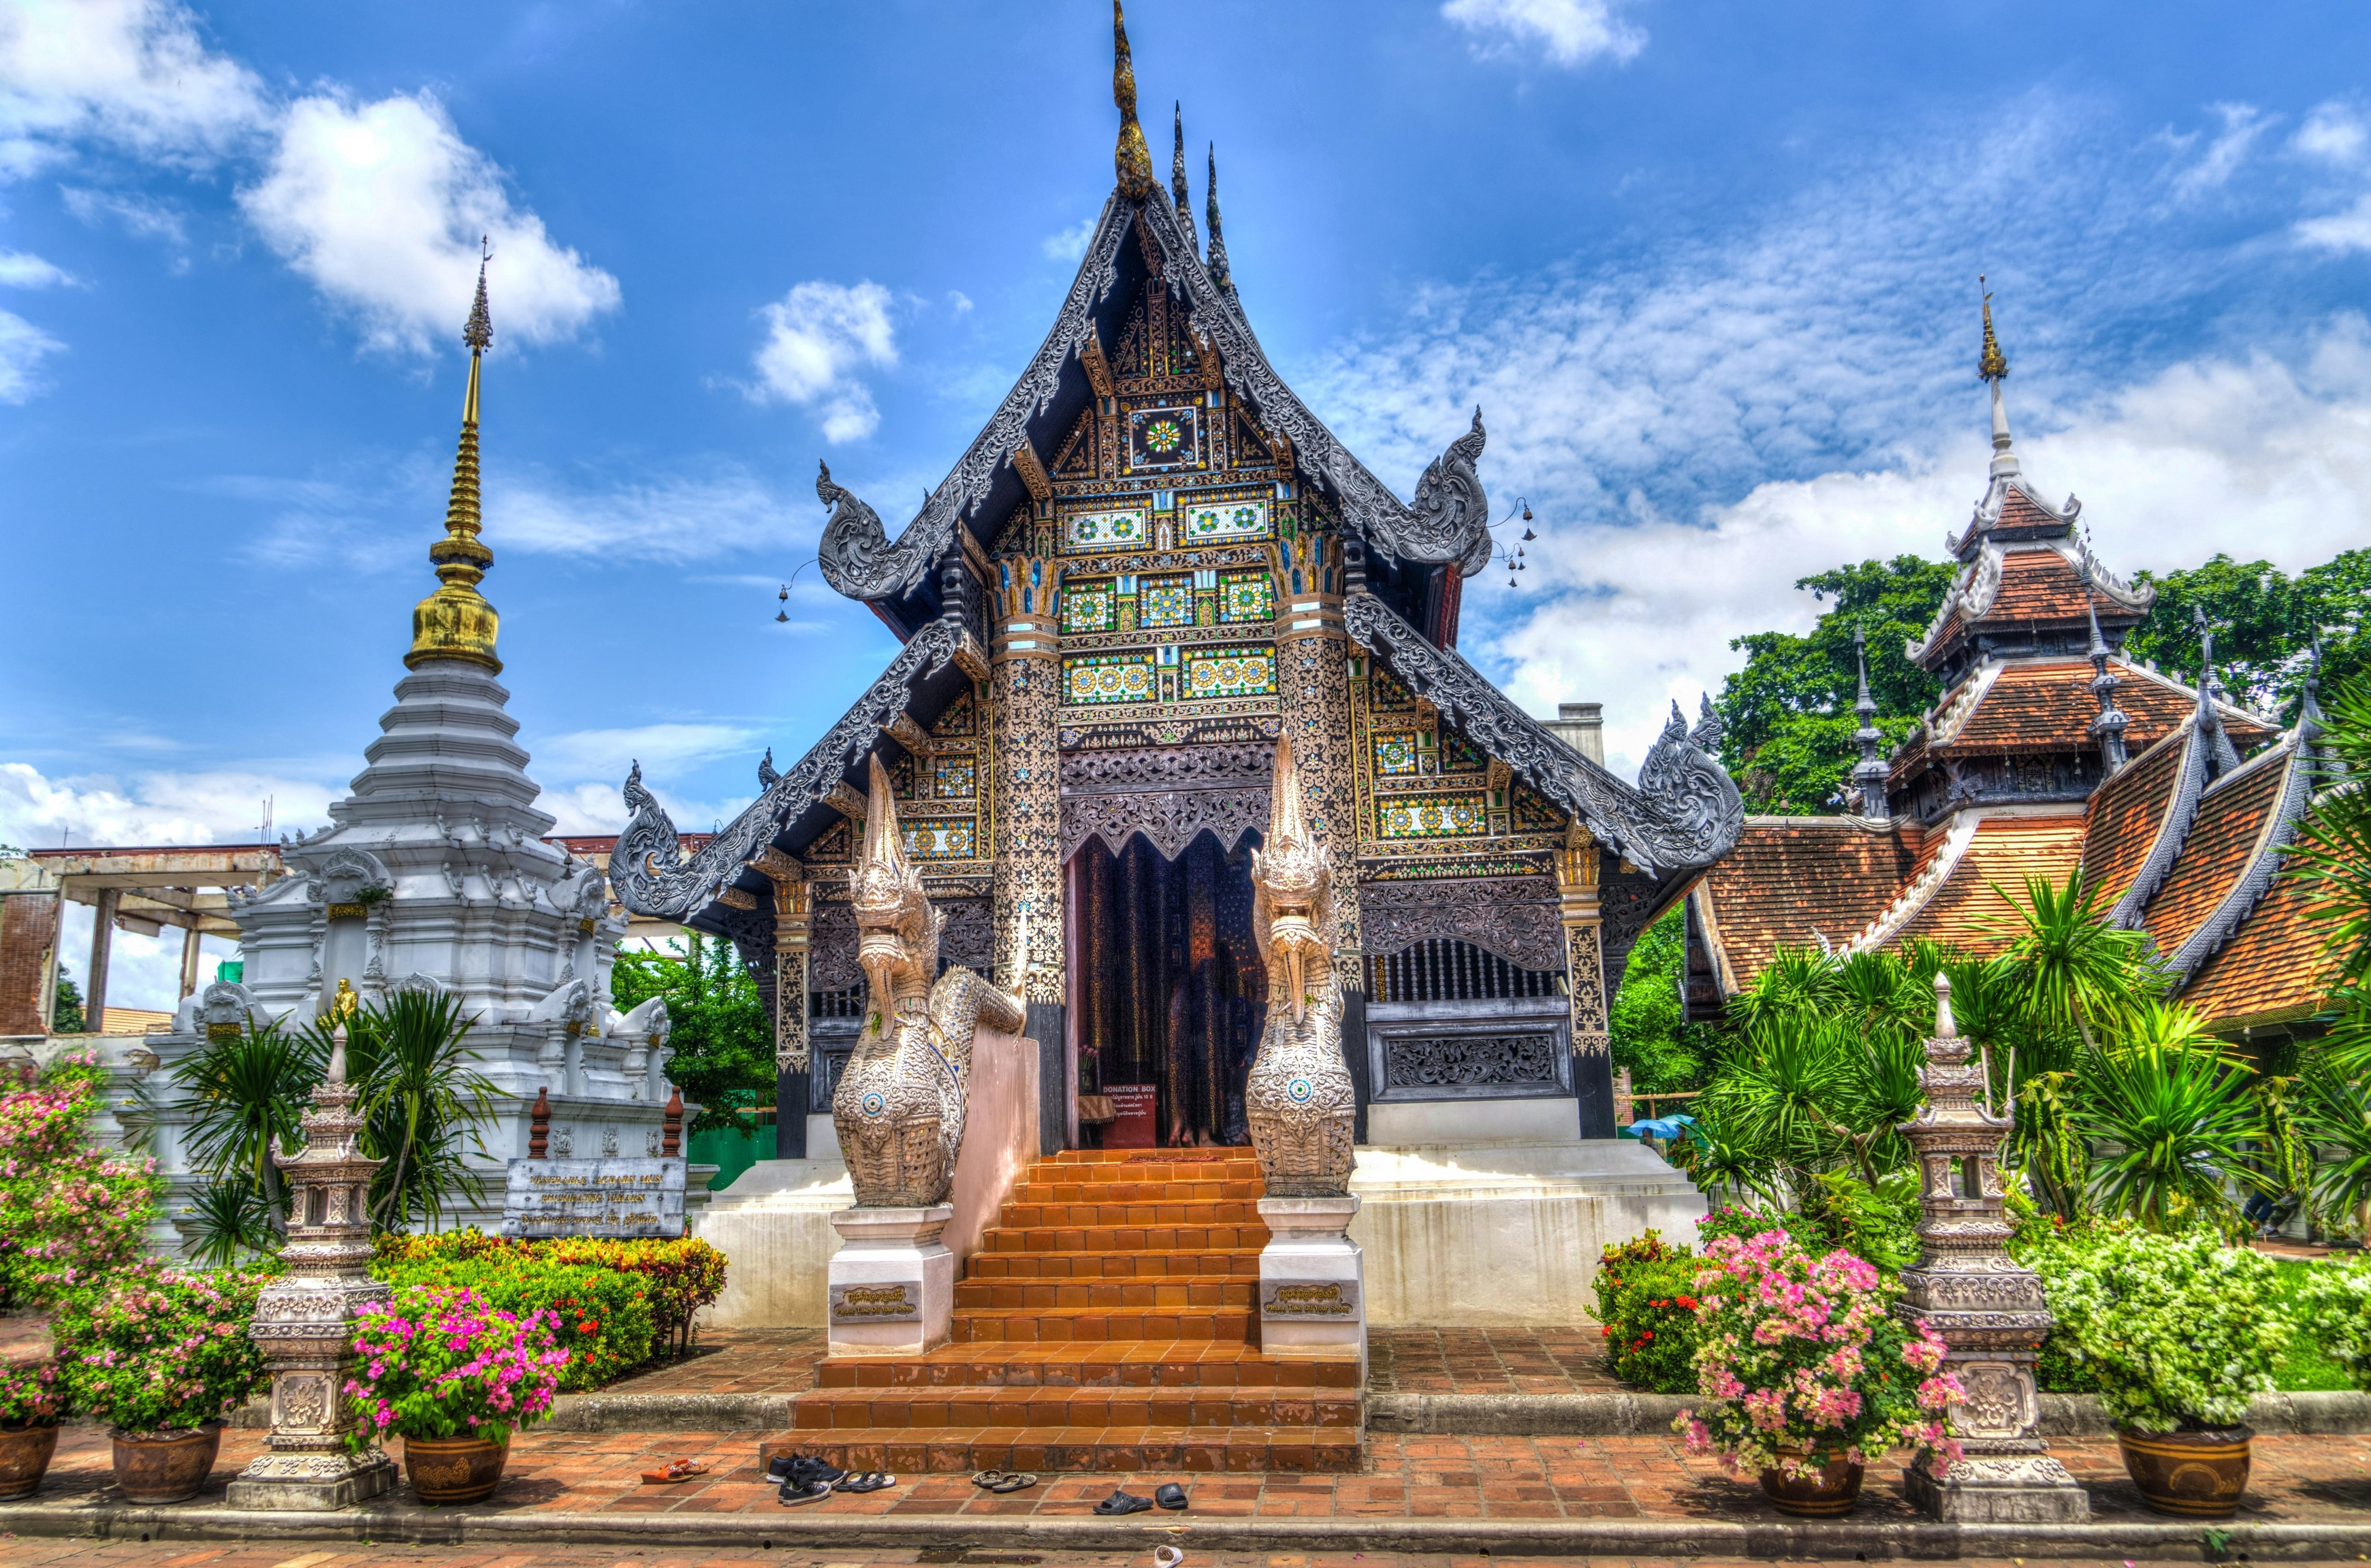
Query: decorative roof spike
{"x": 2222, "y": 756}
{"x": 2309, "y": 699}
{"x": 1992, "y": 366}
{"x": 1177, "y": 188}
{"x": 456, "y": 622}
{"x": 884, "y": 845}
{"x": 1217, "y": 262}
{"x": 2108, "y": 728}
{"x": 1945, "y": 1026}
{"x": 1131, "y": 158}
{"x": 1868, "y": 774}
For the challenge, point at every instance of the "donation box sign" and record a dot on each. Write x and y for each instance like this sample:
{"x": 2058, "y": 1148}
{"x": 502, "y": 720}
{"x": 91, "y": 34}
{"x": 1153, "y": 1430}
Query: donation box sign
{"x": 1134, "y": 1103}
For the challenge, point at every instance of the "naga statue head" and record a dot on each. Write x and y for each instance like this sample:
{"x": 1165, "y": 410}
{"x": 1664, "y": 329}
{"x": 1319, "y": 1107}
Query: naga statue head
{"x": 1292, "y": 890}
{"x": 897, "y": 929}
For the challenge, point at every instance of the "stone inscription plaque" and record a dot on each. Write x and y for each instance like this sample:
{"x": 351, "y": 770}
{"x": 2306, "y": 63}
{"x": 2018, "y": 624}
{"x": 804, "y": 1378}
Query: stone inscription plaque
{"x": 880, "y": 1301}
{"x": 1285, "y": 1300}
{"x": 595, "y": 1197}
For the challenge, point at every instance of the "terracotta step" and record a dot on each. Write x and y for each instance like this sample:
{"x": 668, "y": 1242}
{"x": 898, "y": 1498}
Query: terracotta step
{"x": 1143, "y": 1294}
{"x": 1109, "y": 1325}
{"x": 1057, "y": 1217}
{"x": 855, "y": 1409}
{"x": 1239, "y": 1262}
{"x": 1123, "y": 1155}
{"x": 1124, "y": 1239}
{"x": 960, "y": 1451}
{"x": 1186, "y": 1364}
{"x": 1244, "y": 1190}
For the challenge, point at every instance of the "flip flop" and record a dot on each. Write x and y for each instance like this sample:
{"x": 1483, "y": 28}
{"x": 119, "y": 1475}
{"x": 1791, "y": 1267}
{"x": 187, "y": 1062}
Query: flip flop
{"x": 987, "y": 1479}
{"x": 871, "y": 1481}
{"x": 1014, "y": 1480}
{"x": 676, "y": 1470}
{"x": 1172, "y": 1496}
{"x": 1121, "y": 1503}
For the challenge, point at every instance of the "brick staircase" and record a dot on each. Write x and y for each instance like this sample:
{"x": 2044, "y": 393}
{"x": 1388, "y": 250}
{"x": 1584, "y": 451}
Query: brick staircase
{"x": 1110, "y": 1321}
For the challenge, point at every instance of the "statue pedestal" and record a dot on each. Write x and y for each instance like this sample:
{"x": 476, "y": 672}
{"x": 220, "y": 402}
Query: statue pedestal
{"x": 1312, "y": 1295}
{"x": 312, "y": 1482}
{"x": 2016, "y": 1489}
{"x": 892, "y": 1282}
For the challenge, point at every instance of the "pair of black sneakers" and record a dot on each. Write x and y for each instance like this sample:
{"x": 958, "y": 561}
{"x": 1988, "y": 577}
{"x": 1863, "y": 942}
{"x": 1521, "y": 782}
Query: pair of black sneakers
{"x": 805, "y": 1478}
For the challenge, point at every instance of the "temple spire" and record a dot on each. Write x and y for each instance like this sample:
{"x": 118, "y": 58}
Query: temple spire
{"x": 1132, "y": 159}
{"x": 1217, "y": 262}
{"x": 2222, "y": 756}
{"x": 1991, "y": 368}
{"x": 456, "y": 622}
{"x": 2108, "y": 728}
{"x": 1868, "y": 774}
{"x": 1177, "y": 188}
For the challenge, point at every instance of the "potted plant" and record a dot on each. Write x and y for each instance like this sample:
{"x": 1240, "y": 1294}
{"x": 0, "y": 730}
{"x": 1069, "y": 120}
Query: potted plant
{"x": 30, "y": 1403}
{"x": 1810, "y": 1372}
{"x": 2178, "y": 1332}
{"x": 453, "y": 1377}
{"x": 159, "y": 1353}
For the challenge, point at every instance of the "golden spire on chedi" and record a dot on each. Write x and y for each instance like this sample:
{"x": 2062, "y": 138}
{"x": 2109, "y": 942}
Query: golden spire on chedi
{"x": 1131, "y": 158}
{"x": 456, "y": 622}
{"x": 1994, "y": 365}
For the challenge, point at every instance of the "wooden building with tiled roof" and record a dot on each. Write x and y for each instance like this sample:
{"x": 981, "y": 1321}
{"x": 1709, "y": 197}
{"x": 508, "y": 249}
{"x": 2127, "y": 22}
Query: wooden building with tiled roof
{"x": 2048, "y": 751}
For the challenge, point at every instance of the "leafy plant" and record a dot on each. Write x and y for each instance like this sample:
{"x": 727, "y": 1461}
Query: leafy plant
{"x": 601, "y": 1318}
{"x": 441, "y": 1361}
{"x": 422, "y": 1101}
{"x": 161, "y": 1349}
{"x": 2179, "y": 1332}
{"x": 677, "y": 1277}
{"x": 1803, "y": 1360}
{"x": 1717, "y": 1158}
{"x": 228, "y": 1219}
{"x": 2332, "y": 858}
{"x": 2079, "y": 969}
{"x": 2334, "y": 1112}
{"x": 2175, "y": 1123}
{"x": 242, "y": 1094}
{"x": 1662, "y": 1053}
{"x": 721, "y": 1037}
{"x": 1877, "y": 1220}
{"x": 1647, "y": 1311}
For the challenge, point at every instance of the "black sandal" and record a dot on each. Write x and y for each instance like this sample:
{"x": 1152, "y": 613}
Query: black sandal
{"x": 1013, "y": 1481}
{"x": 1172, "y": 1496}
{"x": 1121, "y": 1503}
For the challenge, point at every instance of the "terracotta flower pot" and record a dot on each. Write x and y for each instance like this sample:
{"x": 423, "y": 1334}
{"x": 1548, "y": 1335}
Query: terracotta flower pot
{"x": 454, "y": 1469}
{"x": 24, "y": 1456}
{"x": 2198, "y": 1475}
{"x": 1823, "y": 1493}
{"x": 165, "y": 1467}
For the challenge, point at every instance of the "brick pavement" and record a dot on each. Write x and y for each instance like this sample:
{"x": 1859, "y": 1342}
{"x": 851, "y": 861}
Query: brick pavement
{"x": 2296, "y": 1479}
{"x": 735, "y": 1361}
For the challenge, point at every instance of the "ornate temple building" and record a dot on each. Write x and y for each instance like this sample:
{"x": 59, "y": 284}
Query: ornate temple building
{"x": 1153, "y": 562}
{"x": 2048, "y": 751}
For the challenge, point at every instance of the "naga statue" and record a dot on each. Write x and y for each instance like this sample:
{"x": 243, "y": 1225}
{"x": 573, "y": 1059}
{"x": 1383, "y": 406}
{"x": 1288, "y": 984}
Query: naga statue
{"x": 899, "y": 1107}
{"x": 1298, "y": 1099}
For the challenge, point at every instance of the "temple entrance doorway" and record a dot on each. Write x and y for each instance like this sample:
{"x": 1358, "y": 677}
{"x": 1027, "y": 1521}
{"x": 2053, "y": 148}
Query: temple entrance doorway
{"x": 1167, "y": 987}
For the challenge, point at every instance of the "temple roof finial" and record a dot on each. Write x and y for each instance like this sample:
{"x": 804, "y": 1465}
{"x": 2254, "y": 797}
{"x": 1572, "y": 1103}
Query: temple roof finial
{"x": 1217, "y": 262}
{"x": 1869, "y": 775}
{"x": 1177, "y": 187}
{"x": 1992, "y": 364}
{"x": 456, "y": 622}
{"x": 1990, "y": 367}
{"x": 1132, "y": 159}
{"x": 2108, "y": 728}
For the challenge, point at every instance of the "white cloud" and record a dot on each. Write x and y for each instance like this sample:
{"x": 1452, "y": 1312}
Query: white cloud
{"x": 2333, "y": 132}
{"x": 1071, "y": 243}
{"x": 22, "y": 270}
{"x": 381, "y": 206}
{"x": 2260, "y": 458}
{"x": 2349, "y": 229}
{"x": 1570, "y": 32}
{"x": 213, "y": 807}
{"x": 23, "y": 346}
{"x": 134, "y": 74}
{"x": 818, "y": 337}
{"x": 141, "y": 217}
{"x": 672, "y": 518}
{"x": 2242, "y": 125}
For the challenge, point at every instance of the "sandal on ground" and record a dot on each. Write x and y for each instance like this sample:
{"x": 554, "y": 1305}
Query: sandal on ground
{"x": 677, "y": 1470}
{"x": 1013, "y": 1481}
{"x": 1122, "y": 1502}
{"x": 871, "y": 1481}
{"x": 1172, "y": 1496}
{"x": 987, "y": 1479}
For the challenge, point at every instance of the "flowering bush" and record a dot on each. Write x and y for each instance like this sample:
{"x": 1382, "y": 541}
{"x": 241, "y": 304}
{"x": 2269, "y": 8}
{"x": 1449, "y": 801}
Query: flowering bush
{"x": 30, "y": 1396}
{"x": 1741, "y": 1222}
{"x": 440, "y": 1361}
{"x": 161, "y": 1349}
{"x": 1647, "y": 1305}
{"x": 68, "y": 1215}
{"x": 600, "y": 1318}
{"x": 2336, "y": 1300}
{"x": 679, "y": 1276}
{"x": 1808, "y": 1362}
{"x": 2178, "y": 1331}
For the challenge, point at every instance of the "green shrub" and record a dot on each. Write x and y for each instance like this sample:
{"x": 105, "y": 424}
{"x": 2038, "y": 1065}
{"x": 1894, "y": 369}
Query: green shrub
{"x": 1878, "y": 1224}
{"x": 1746, "y": 1223}
{"x": 600, "y": 1317}
{"x": 1646, "y": 1306}
{"x": 681, "y": 1276}
{"x": 69, "y": 1216}
{"x": 2179, "y": 1332}
{"x": 2334, "y": 1309}
{"x": 161, "y": 1349}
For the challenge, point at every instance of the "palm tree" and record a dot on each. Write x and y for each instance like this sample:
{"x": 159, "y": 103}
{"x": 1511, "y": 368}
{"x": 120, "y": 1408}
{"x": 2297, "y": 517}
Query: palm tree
{"x": 2177, "y": 1122}
{"x": 422, "y": 1100}
{"x": 2334, "y": 858}
{"x": 242, "y": 1095}
{"x": 2079, "y": 970}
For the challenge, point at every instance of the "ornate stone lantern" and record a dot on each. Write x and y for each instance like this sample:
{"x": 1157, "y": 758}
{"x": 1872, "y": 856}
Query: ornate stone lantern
{"x": 1984, "y": 1305}
{"x": 305, "y": 1320}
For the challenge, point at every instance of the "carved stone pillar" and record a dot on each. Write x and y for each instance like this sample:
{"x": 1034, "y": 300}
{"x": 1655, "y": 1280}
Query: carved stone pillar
{"x": 1023, "y": 768}
{"x": 1987, "y": 1308}
{"x": 1313, "y": 683}
{"x": 793, "y": 926}
{"x": 1578, "y": 867}
{"x": 304, "y": 1319}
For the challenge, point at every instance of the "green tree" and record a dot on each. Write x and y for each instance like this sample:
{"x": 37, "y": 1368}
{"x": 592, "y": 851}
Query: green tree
{"x": 66, "y": 1018}
{"x": 2264, "y": 620}
{"x": 1789, "y": 712}
{"x": 722, "y": 1041}
{"x": 1664, "y": 1054}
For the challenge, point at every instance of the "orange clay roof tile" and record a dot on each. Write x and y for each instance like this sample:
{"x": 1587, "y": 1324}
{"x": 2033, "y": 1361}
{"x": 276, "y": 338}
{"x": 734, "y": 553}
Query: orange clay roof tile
{"x": 2126, "y": 815}
{"x": 2274, "y": 966}
{"x": 1963, "y": 911}
{"x": 1791, "y": 876}
{"x": 2226, "y": 836}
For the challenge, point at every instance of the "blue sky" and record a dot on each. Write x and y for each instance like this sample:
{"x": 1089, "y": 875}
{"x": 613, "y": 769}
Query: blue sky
{"x": 1710, "y": 268}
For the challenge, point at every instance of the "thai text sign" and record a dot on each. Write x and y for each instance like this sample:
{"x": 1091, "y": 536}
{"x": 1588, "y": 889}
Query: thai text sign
{"x": 1288, "y": 1299}
{"x": 877, "y": 1301}
{"x": 595, "y": 1197}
